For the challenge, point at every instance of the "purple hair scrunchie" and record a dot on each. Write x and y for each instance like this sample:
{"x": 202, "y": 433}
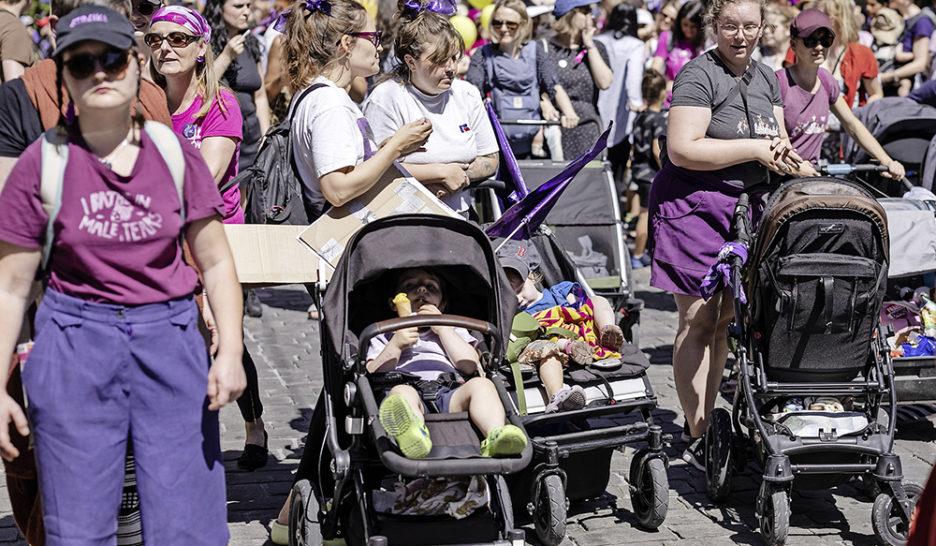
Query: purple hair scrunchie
{"x": 189, "y": 19}
{"x": 412, "y": 8}
{"x": 311, "y": 6}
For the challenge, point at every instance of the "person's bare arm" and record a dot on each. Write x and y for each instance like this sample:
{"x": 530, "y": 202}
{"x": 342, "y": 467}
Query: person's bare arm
{"x": 689, "y": 148}
{"x": 212, "y": 255}
{"x": 275, "y": 78}
{"x": 18, "y": 267}
{"x": 657, "y": 64}
{"x": 483, "y": 167}
{"x": 12, "y": 69}
{"x": 873, "y": 88}
{"x": 6, "y": 165}
{"x": 460, "y": 352}
{"x": 389, "y": 356}
{"x": 914, "y": 67}
{"x": 217, "y": 153}
{"x": 262, "y": 104}
{"x": 569, "y": 118}
{"x": 345, "y": 184}
{"x": 865, "y": 139}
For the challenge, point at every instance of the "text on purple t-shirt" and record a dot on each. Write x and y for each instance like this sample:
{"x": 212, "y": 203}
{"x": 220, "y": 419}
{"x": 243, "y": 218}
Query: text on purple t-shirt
{"x": 116, "y": 237}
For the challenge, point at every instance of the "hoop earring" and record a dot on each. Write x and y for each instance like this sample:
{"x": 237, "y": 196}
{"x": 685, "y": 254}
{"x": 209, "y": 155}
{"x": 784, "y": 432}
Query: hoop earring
{"x": 200, "y": 59}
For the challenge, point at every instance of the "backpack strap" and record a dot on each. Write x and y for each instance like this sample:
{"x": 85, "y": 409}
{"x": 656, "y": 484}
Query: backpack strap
{"x": 171, "y": 151}
{"x": 487, "y": 55}
{"x": 54, "y": 158}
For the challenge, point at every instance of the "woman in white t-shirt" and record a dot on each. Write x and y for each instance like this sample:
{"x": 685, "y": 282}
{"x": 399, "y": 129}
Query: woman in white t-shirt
{"x": 462, "y": 148}
{"x": 329, "y": 43}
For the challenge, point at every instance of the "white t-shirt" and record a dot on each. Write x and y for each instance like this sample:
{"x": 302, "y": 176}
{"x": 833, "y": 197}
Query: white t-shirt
{"x": 425, "y": 358}
{"x": 461, "y": 130}
{"x": 326, "y": 136}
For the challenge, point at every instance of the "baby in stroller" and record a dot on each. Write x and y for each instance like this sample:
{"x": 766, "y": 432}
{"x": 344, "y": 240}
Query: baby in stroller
{"x": 578, "y": 328}
{"x": 433, "y": 355}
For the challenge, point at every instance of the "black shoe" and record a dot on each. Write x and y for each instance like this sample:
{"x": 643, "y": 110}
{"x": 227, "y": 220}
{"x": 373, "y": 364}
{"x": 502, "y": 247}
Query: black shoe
{"x": 686, "y": 436}
{"x": 252, "y": 304}
{"x": 695, "y": 453}
{"x": 254, "y": 456}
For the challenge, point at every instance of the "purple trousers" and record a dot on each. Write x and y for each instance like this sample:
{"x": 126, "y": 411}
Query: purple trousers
{"x": 100, "y": 374}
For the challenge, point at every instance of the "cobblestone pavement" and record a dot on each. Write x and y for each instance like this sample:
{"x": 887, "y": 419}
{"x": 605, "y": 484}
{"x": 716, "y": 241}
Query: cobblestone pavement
{"x": 285, "y": 346}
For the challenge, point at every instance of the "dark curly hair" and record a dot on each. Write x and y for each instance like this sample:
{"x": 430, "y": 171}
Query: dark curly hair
{"x": 219, "y": 38}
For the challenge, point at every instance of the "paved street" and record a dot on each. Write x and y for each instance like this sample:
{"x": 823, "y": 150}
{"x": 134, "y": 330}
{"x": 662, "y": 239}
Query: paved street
{"x": 285, "y": 346}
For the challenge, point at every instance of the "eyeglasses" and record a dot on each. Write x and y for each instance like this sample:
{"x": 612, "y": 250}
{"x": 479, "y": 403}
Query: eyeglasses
{"x": 811, "y": 42}
{"x": 146, "y": 8}
{"x": 749, "y": 31}
{"x": 112, "y": 62}
{"x": 509, "y": 25}
{"x": 374, "y": 37}
{"x": 175, "y": 39}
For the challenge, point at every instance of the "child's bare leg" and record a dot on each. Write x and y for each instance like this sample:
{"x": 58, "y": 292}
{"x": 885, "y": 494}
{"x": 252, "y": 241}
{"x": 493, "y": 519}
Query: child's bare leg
{"x": 640, "y": 242}
{"x": 604, "y": 314}
{"x": 478, "y": 397}
{"x": 411, "y": 396}
{"x": 550, "y": 372}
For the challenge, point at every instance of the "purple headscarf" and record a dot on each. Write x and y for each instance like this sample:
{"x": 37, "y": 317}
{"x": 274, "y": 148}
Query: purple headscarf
{"x": 185, "y": 17}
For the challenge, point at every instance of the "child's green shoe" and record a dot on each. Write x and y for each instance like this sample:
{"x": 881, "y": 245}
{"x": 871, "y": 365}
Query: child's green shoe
{"x": 503, "y": 441}
{"x": 402, "y": 423}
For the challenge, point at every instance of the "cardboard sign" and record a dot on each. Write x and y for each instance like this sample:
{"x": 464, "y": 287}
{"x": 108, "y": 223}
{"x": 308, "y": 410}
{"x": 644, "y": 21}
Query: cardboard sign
{"x": 393, "y": 194}
{"x": 267, "y": 255}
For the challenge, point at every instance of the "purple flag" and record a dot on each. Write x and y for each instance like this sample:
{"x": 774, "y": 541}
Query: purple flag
{"x": 508, "y": 171}
{"x": 531, "y": 211}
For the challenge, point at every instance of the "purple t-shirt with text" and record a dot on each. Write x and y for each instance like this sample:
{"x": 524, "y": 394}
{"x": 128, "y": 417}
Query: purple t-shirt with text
{"x": 805, "y": 114}
{"x": 116, "y": 237}
{"x": 217, "y": 123}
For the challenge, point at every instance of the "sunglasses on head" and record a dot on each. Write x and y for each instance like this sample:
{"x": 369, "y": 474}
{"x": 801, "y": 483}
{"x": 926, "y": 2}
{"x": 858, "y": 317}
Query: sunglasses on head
{"x": 175, "y": 39}
{"x": 374, "y": 37}
{"x": 112, "y": 62}
{"x": 146, "y": 9}
{"x": 811, "y": 41}
{"x": 509, "y": 25}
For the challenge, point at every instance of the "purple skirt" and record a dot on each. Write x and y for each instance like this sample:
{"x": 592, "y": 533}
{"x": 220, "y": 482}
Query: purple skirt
{"x": 690, "y": 220}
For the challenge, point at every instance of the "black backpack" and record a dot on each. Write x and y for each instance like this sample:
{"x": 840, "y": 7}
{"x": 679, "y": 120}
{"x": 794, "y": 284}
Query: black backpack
{"x": 273, "y": 185}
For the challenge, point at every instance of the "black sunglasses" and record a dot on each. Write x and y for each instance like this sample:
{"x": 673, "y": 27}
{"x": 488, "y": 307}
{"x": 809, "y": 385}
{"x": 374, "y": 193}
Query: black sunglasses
{"x": 112, "y": 62}
{"x": 811, "y": 42}
{"x": 374, "y": 37}
{"x": 511, "y": 25}
{"x": 175, "y": 39}
{"x": 146, "y": 8}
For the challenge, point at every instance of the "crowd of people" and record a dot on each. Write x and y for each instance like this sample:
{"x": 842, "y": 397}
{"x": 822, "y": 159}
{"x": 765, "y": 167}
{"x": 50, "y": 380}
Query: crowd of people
{"x": 706, "y": 99}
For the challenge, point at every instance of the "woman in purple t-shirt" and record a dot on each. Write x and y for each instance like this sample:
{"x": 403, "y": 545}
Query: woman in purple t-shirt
{"x": 681, "y": 44}
{"x": 118, "y": 355}
{"x": 810, "y": 93}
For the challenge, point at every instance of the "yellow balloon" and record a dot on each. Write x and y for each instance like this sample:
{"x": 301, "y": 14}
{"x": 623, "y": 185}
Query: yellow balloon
{"x": 486, "y": 15}
{"x": 466, "y": 28}
{"x": 479, "y": 4}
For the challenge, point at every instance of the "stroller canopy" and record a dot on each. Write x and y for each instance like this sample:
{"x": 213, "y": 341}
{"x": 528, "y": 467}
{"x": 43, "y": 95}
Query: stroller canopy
{"x": 359, "y": 293}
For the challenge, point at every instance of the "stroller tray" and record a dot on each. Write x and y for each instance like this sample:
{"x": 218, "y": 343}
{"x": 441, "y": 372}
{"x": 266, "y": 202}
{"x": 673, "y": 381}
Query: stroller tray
{"x": 624, "y": 389}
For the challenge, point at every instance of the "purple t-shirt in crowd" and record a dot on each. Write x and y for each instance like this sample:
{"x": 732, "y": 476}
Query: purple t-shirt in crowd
{"x": 806, "y": 114}
{"x": 922, "y": 27}
{"x": 116, "y": 237}
{"x": 217, "y": 123}
{"x": 676, "y": 57}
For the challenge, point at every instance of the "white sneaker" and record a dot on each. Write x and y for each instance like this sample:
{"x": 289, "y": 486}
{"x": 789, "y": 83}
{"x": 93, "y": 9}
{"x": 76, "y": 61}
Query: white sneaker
{"x": 567, "y": 399}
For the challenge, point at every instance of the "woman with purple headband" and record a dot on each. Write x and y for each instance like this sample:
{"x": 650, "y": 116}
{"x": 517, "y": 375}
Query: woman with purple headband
{"x": 208, "y": 115}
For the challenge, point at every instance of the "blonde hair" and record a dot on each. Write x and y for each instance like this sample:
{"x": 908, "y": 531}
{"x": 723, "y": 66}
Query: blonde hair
{"x": 311, "y": 38}
{"x": 842, "y": 16}
{"x": 787, "y": 13}
{"x": 563, "y": 25}
{"x": 525, "y": 32}
{"x": 209, "y": 84}
{"x": 415, "y": 32}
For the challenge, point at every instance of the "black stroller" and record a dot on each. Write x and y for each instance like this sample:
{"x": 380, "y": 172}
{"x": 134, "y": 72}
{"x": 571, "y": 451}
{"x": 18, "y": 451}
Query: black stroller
{"x": 572, "y": 449}
{"x": 816, "y": 282}
{"x": 348, "y": 455}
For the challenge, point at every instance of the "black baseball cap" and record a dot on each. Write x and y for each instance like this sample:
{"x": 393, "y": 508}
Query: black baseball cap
{"x": 93, "y": 23}
{"x": 521, "y": 256}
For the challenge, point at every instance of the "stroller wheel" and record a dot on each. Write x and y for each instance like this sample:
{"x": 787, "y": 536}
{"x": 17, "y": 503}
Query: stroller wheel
{"x": 303, "y": 516}
{"x": 549, "y": 516}
{"x": 649, "y": 490}
{"x": 889, "y": 527}
{"x": 718, "y": 455}
{"x": 773, "y": 512}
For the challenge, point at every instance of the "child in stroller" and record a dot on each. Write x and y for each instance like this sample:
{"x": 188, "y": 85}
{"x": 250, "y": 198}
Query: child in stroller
{"x": 562, "y": 306}
{"x": 430, "y": 355}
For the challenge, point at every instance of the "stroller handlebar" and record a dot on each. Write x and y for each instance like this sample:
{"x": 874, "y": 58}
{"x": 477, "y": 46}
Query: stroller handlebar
{"x": 529, "y": 122}
{"x": 844, "y": 169}
{"x": 419, "y": 321}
